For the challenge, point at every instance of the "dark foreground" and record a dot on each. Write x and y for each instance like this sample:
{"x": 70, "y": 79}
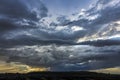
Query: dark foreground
{"x": 59, "y": 76}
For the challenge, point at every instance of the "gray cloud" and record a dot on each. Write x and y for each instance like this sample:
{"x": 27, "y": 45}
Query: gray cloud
{"x": 19, "y": 14}
{"x": 22, "y": 23}
{"x": 100, "y": 43}
{"x": 28, "y": 39}
{"x": 101, "y": 14}
{"x": 22, "y": 9}
{"x": 69, "y": 58}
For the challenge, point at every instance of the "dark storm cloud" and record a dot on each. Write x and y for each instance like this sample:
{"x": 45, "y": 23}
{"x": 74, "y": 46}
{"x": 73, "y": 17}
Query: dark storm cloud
{"x": 100, "y": 43}
{"x": 14, "y": 11}
{"x": 22, "y": 9}
{"x": 6, "y": 24}
{"x": 33, "y": 45}
{"x": 23, "y": 15}
{"x": 30, "y": 41}
{"x": 19, "y": 15}
{"x": 107, "y": 58}
{"x": 55, "y": 58}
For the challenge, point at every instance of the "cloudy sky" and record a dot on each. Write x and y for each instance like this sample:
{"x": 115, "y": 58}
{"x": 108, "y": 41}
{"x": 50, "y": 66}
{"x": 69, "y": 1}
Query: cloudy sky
{"x": 59, "y": 35}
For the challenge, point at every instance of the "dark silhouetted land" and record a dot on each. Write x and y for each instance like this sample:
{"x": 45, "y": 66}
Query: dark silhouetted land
{"x": 59, "y": 76}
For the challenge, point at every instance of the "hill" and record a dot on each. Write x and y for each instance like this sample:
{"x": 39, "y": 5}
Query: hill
{"x": 59, "y": 76}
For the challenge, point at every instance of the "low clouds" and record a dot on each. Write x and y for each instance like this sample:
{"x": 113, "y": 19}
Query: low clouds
{"x": 31, "y": 37}
{"x": 67, "y": 57}
{"x": 104, "y": 42}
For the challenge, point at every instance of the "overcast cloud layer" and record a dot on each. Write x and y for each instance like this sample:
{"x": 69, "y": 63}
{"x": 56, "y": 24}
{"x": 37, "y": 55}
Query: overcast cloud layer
{"x": 86, "y": 40}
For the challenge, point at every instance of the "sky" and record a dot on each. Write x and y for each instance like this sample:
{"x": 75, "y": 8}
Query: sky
{"x": 59, "y": 35}
{"x": 65, "y": 7}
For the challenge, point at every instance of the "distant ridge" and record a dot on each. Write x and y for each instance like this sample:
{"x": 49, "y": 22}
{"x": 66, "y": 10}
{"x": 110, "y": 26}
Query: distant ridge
{"x": 81, "y": 75}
